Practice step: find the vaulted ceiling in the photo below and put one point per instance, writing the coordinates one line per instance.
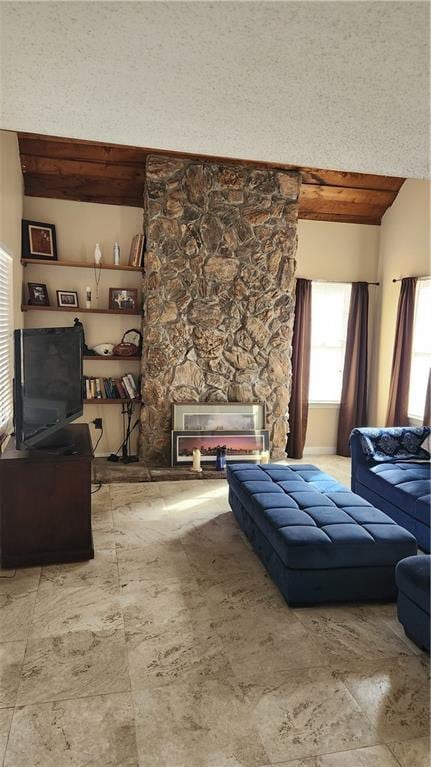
(319, 84)
(89, 171)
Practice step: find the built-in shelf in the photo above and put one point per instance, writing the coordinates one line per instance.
(102, 401)
(78, 310)
(81, 265)
(103, 357)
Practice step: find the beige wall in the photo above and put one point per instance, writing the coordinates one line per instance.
(339, 252)
(404, 252)
(325, 251)
(11, 197)
(78, 227)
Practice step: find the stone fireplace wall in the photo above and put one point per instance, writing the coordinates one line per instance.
(218, 292)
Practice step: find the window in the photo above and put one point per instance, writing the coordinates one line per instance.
(421, 353)
(5, 341)
(329, 314)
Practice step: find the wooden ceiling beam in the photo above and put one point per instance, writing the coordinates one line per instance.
(314, 195)
(48, 166)
(92, 171)
(115, 192)
(339, 218)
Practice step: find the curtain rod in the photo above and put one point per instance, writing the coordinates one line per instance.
(418, 277)
(337, 282)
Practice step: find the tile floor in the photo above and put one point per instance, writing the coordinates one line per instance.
(173, 648)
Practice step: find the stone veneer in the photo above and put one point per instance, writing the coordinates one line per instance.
(218, 292)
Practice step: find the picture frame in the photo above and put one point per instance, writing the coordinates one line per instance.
(67, 299)
(39, 240)
(37, 294)
(218, 416)
(123, 299)
(241, 446)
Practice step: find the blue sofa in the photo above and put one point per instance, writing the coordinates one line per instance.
(391, 469)
(412, 576)
(319, 541)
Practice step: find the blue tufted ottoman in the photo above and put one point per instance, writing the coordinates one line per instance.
(319, 541)
(413, 580)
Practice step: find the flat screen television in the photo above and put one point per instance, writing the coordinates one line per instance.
(48, 385)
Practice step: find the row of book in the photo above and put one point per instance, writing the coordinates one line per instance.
(136, 250)
(110, 388)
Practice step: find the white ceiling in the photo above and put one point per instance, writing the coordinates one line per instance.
(339, 85)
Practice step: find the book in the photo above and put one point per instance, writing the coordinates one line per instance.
(108, 388)
(121, 390)
(128, 388)
(132, 385)
(136, 250)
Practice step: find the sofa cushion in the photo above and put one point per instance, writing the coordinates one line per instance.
(319, 523)
(412, 577)
(406, 485)
(394, 444)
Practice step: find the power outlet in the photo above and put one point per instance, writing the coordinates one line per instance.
(98, 423)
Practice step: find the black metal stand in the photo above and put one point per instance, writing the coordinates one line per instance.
(125, 447)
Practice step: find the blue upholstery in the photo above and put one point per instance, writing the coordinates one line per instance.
(305, 521)
(413, 580)
(394, 443)
(401, 489)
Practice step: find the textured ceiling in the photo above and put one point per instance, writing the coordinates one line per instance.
(339, 85)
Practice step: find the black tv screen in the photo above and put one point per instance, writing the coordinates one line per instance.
(48, 382)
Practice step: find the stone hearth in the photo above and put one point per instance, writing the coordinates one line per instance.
(218, 292)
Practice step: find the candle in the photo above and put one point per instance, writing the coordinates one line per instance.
(264, 456)
(196, 460)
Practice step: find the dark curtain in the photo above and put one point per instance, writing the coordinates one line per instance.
(427, 411)
(402, 356)
(353, 406)
(301, 345)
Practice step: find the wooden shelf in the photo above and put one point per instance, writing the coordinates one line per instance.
(81, 265)
(78, 310)
(102, 401)
(103, 357)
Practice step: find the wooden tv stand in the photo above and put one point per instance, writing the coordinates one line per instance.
(45, 504)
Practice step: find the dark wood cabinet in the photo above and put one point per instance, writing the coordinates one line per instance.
(45, 504)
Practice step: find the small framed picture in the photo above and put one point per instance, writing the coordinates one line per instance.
(67, 299)
(124, 299)
(37, 294)
(39, 241)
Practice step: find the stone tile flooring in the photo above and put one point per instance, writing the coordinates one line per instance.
(173, 648)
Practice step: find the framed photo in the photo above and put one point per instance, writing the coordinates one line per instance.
(124, 299)
(39, 240)
(240, 446)
(68, 299)
(37, 294)
(218, 416)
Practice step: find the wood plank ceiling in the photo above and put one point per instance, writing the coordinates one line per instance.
(90, 171)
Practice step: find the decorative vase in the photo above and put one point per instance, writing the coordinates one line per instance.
(116, 254)
(97, 254)
(221, 458)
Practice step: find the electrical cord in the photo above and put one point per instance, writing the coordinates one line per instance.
(97, 488)
(97, 443)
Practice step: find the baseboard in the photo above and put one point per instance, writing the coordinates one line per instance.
(319, 450)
